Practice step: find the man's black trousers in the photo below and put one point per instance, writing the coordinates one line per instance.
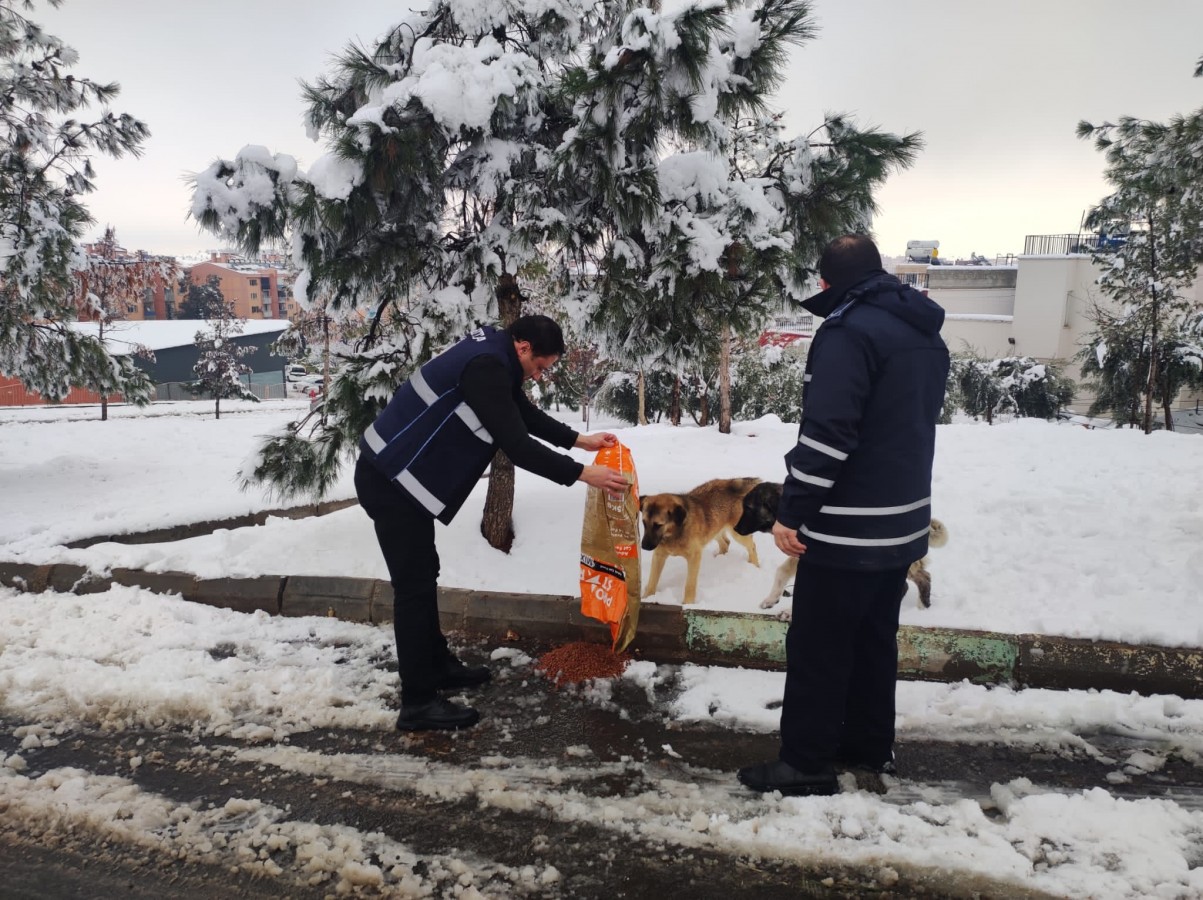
(842, 667)
(406, 535)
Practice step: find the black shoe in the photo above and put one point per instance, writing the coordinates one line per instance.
(456, 675)
(437, 715)
(781, 776)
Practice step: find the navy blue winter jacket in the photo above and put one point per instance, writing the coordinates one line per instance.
(435, 445)
(858, 488)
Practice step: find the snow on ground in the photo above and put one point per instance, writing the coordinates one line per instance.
(130, 659)
(1053, 528)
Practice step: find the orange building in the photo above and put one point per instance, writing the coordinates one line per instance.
(255, 291)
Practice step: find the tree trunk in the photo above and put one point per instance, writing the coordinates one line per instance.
(497, 523)
(104, 398)
(724, 380)
(217, 407)
(641, 390)
(325, 363)
(704, 409)
(1151, 384)
(674, 409)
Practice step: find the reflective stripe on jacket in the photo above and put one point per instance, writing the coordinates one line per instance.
(428, 439)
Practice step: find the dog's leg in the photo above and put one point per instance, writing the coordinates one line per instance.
(918, 573)
(724, 543)
(653, 579)
(750, 545)
(785, 572)
(694, 562)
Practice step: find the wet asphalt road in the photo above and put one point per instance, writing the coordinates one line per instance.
(622, 744)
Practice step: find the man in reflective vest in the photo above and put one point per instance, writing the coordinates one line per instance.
(421, 459)
(855, 511)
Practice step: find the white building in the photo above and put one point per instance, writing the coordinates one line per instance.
(1038, 307)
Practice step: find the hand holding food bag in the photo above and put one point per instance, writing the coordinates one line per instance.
(610, 576)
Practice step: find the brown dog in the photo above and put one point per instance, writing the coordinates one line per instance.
(760, 512)
(683, 524)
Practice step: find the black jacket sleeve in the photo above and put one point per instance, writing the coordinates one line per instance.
(486, 385)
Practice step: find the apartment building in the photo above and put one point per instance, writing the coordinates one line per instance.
(254, 290)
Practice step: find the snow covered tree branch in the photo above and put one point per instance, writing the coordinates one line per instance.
(45, 168)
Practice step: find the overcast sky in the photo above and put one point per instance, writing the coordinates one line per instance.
(997, 89)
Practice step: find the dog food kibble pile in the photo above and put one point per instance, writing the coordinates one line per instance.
(580, 661)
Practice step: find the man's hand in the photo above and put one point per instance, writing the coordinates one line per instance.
(786, 539)
(595, 441)
(609, 480)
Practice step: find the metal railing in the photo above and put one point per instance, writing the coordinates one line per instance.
(793, 323)
(914, 279)
(1065, 244)
(179, 390)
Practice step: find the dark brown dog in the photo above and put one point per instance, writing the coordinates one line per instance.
(683, 524)
(760, 512)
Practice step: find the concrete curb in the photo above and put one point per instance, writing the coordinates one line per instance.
(668, 633)
(196, 529)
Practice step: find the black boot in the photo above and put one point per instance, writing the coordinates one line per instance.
(437, 715)
(454, 675)
(781, 776)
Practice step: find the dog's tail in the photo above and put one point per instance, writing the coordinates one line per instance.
(939, 534)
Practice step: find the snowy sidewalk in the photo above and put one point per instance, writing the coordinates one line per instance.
(667, 633)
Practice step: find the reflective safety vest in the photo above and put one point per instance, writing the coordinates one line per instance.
(428, 440)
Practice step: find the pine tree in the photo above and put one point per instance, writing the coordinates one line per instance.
(1120, 354)
(219, 369)
(1156, 169)
(45, 169)
(697, 246)
(572, 138)
(431, 199)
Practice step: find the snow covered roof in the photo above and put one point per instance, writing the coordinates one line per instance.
(121, 336)
(242, 268)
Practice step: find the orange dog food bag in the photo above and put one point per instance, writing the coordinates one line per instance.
(610, 576)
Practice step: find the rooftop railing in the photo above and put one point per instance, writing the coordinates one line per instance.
(1065, 244)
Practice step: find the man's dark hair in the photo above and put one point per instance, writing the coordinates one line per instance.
(545, 336)
(848, 259)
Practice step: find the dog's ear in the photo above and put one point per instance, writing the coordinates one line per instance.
(642, 500)
(679, 513)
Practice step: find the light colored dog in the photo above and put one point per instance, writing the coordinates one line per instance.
(683, 524)
(759, 514)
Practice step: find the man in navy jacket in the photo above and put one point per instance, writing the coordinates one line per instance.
(855, 510)
(421, 459)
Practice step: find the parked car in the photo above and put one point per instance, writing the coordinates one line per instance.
(307, 384)
(295, 372)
